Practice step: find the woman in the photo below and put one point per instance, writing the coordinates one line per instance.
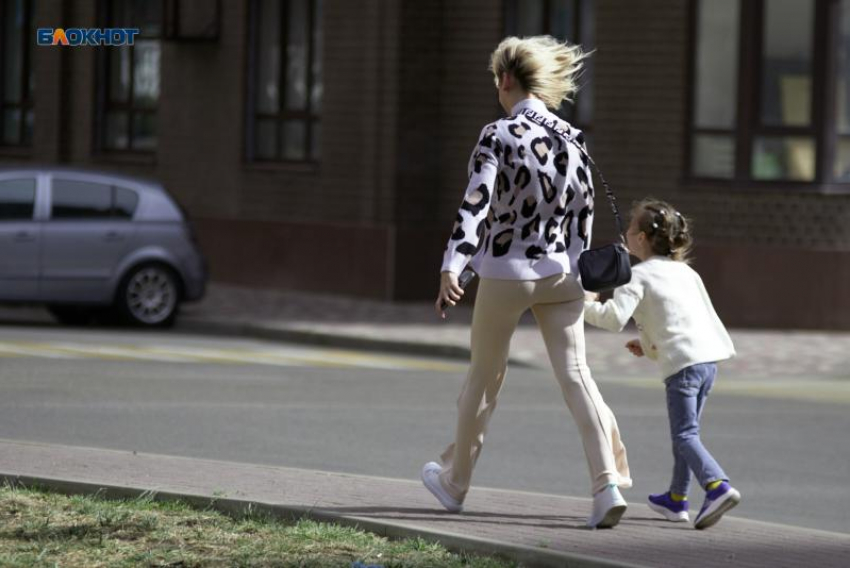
(525, 218)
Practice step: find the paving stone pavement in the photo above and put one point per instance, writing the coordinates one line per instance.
(762, 354)
(773, 354)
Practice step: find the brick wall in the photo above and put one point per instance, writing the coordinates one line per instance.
(334, 209)
(49, 92)
(331, 211)
(640, 125)
(407, 91)
(755, 250)
(447, 96)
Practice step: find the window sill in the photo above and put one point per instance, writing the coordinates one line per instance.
(125, 158)
(306, 168)
(713, 184)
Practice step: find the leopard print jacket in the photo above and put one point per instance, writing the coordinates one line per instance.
(528, 209)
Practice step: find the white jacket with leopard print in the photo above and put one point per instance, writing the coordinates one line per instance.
(528, 209)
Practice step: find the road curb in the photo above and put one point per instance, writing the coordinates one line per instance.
(309, 337)
(458, 543)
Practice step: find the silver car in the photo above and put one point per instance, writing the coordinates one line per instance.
(87, 243)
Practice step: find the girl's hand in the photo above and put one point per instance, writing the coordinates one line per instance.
(591, 296)
(635, 348)
(450, 293)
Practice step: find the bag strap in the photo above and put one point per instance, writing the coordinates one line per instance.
(547, 122)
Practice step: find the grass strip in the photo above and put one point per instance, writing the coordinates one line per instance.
(44, 529)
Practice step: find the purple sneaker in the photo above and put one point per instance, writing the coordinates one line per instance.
(717, 502)
(676, 511)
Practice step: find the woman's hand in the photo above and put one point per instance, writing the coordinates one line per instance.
(450, 293)
(635, 348)
(591, 296)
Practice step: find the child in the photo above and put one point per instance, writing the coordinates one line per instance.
(680, 329)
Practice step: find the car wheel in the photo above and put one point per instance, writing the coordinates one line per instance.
(71, 315)
(149, 296)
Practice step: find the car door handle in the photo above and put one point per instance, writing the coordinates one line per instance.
(112, 236)
(24, 236)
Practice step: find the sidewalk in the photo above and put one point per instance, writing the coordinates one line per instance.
(414, 328)
(537, 530)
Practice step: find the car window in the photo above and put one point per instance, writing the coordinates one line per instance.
(80, 200)
(17, 199)
(126, 201)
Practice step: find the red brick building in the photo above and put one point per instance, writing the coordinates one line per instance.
(322, 144)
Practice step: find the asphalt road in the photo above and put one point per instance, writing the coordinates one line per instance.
(385, 415)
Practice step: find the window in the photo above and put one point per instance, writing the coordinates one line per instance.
(16, 77)
(88, 200)
(17, 199)
(80, 200)
(285, 81)
(567, 20)
(762, 71)
(129, 86)
(125, 202)
(715, 91)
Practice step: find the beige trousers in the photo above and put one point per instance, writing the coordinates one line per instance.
(558, 306)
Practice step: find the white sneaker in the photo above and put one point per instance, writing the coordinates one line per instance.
(431, 480)
(608, 508)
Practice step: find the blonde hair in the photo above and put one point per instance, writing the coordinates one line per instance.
(543, 66)
(667, 229)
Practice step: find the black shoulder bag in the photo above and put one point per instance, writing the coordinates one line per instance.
(606, 267)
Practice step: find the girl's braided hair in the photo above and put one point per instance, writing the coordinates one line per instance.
(667, 229)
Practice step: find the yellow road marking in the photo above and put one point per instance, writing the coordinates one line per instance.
(188, 354)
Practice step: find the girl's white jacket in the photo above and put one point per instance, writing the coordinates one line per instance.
(674, 315)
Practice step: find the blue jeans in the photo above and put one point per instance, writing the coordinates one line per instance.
(687, 391)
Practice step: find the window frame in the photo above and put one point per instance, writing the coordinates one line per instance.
(511, 20)
(104, 78)
(26, 102)
(748, 98)
(311, 119)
